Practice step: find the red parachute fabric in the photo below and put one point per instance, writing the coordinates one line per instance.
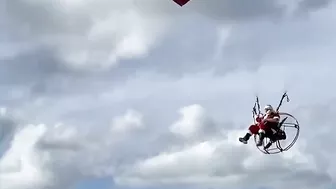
(181, 2)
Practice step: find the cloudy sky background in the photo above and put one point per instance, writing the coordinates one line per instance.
(139, 94)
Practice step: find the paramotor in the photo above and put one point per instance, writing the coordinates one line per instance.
(285, 137)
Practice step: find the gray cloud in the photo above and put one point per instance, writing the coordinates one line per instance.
(241, 10)
(8, 128)
(311, 5)
(81, 42)
(41, 72)
(250, 57)
(60, 149)
(29, 67)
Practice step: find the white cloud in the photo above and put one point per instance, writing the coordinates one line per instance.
(42, 156)
(22, 162)
(133, 149)
(224, 162)
(176, 132)
(87, 34)
(98, 35)
(126, 123)
(193, 122)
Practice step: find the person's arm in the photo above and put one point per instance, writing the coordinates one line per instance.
(274, 119)
(259, 118)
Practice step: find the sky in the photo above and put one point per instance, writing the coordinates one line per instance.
(145, 94)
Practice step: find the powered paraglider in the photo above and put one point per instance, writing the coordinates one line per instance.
(286, 135)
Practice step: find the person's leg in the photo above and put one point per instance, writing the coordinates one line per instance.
(262, 133)
(253, 129)
(272, 136)
(277, 132)
(271, 128)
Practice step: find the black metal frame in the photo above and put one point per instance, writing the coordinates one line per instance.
(282, 127)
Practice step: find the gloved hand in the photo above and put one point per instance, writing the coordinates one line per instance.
(259, 118)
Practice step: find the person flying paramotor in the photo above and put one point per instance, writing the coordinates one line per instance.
(272, 128)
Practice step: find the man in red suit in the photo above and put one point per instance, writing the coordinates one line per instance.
(267, 123)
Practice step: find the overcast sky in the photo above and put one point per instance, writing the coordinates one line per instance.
(139, 94)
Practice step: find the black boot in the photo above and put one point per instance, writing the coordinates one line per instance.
(261, 139)
(269, 144)
(245, 138)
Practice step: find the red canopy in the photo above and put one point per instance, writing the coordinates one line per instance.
(181, 2)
